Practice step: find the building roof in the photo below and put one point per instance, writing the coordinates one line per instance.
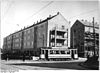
(48, 18)
(87, 23)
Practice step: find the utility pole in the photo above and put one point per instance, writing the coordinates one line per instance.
(94, 36)
(73, 39)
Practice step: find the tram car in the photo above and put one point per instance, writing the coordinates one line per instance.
(58, 54)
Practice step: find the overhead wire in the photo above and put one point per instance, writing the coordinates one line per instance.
(38, 11)
(7, 10)
(83, 13)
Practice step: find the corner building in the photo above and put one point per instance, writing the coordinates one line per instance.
(82, 37)
(51, 32)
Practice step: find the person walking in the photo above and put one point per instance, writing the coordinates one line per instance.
(23, 57)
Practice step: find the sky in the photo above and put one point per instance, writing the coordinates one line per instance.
(17, 14)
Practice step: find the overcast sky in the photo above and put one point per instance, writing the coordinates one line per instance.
(15, 14)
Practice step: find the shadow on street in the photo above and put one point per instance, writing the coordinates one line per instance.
(71, 65)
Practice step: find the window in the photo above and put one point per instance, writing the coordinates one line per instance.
(28, 37)
(68, 52)
(16, 45)
(17, 40)
(41, 26)
(42, 51)
(16, 35)
(57, 52)
(75, 51)
(54, 52)
(28, 43)
(32, 43)
(51, 51)
(28, 31)
(21, 34)
(62, 52)
(24, 44)
(25, 32)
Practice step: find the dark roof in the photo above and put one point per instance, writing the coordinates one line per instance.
(86, 23)
(48, 18)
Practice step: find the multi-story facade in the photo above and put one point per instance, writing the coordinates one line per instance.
(9, 42)
(17, 40)
(41, 34)
(82, 37)
(5, 43)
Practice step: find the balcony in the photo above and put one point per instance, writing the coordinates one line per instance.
(60, 29)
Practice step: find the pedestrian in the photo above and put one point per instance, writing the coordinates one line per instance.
(23, 57)
(7, 57)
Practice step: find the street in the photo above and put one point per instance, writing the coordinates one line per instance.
(42, 65)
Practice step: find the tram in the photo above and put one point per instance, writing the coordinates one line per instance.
(58, 54)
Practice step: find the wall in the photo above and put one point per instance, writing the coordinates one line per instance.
(40, 32)
(9, 42)
(28, 38)
(5, 43)
(17, 40)
(58, 21)
(77, 36)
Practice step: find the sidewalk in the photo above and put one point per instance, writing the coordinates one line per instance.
(32, 61)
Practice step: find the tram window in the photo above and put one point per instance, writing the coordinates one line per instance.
(68, 52)
(62, 52)
(75, 51)
(57, 52)
(51, 51)
(54, 52)
(42, 51)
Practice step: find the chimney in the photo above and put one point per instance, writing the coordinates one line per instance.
(49, 16)
(85, 20)
(40, 20)
(69, 22)
(82, 20)
(33, 23)
(57, 13)
(37, 21)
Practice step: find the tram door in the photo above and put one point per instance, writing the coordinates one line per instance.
(72, 55)
(46, 54)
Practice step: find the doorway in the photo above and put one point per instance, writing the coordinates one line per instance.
(46, 54)
(72, 55)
